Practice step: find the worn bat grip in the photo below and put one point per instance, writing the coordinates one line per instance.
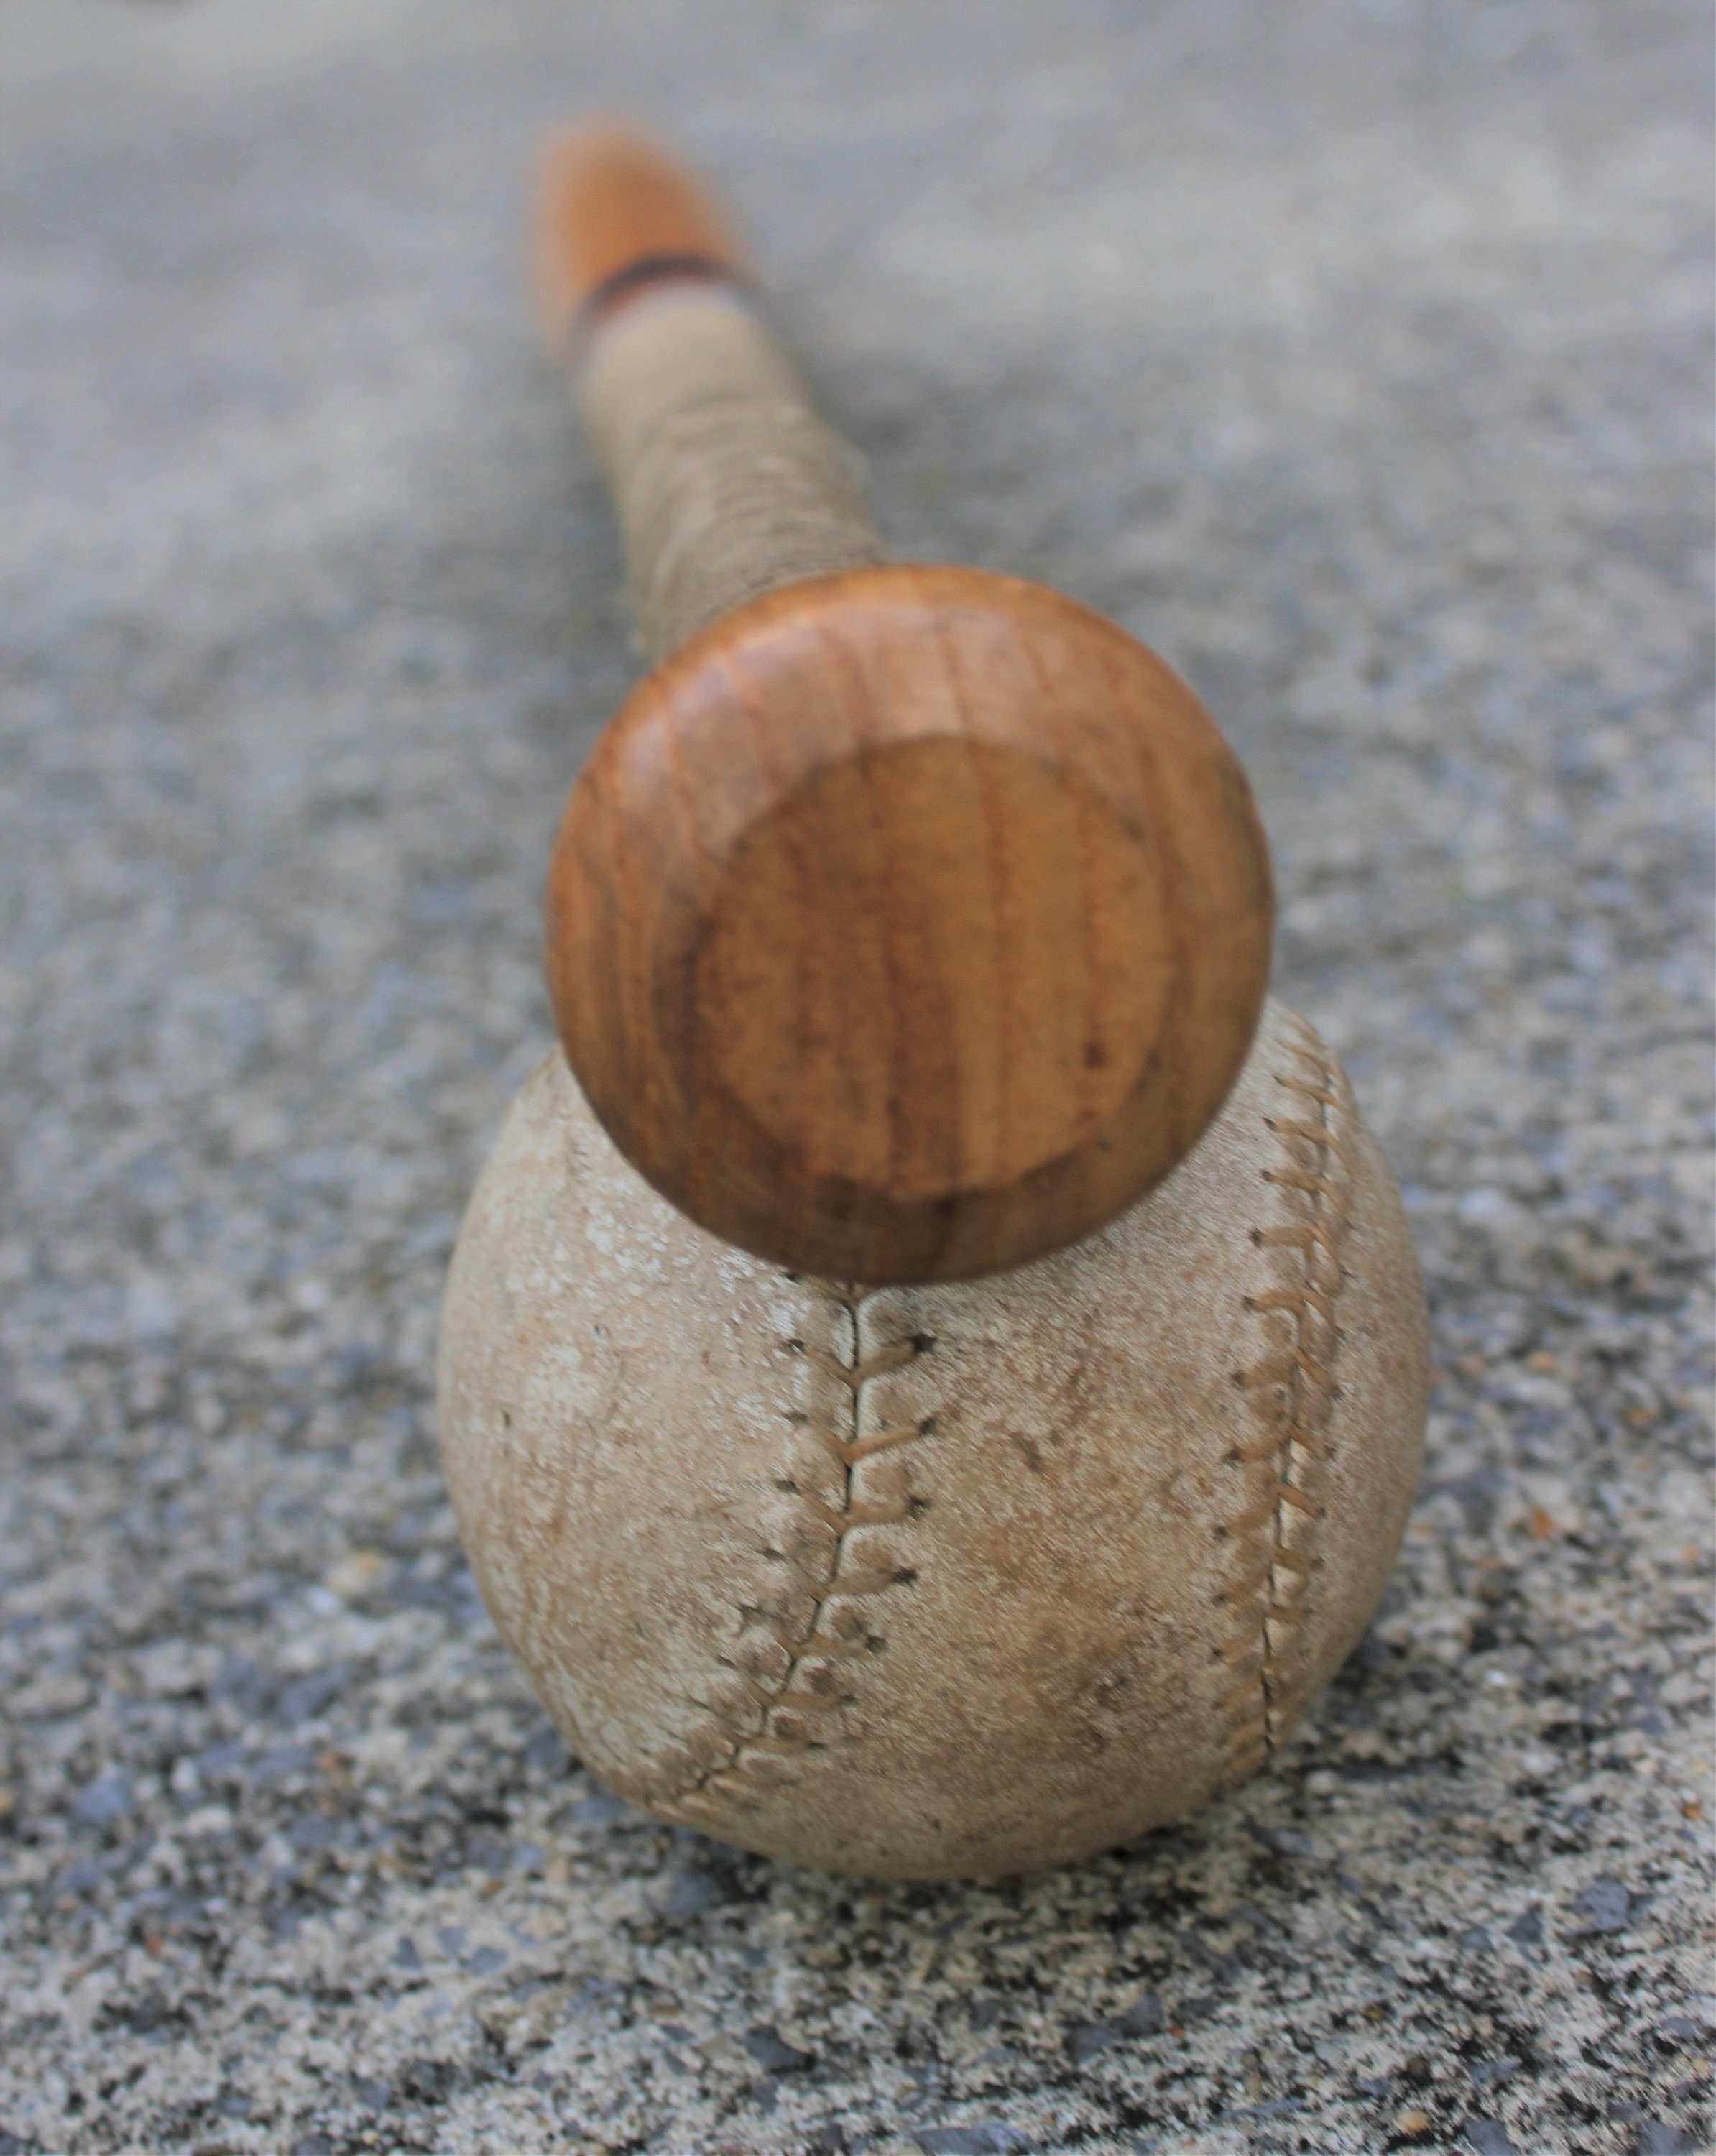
(727, 483)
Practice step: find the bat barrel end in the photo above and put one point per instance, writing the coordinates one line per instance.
(908, 924)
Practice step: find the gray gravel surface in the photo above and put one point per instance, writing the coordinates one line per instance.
(1354, 353)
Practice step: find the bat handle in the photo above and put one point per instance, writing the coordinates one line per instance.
(727, 483)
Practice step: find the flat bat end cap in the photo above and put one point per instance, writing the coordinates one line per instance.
(908, 924)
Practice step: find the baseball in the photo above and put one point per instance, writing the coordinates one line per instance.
(948, 1581)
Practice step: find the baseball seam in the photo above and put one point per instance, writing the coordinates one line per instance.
(1291, 1391)
(785, 1683)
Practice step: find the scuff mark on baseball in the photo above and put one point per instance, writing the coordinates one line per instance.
(951, 1581)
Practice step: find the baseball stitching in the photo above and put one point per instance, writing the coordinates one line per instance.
(788, 1676)
(812, 1616)
(1291, 1391)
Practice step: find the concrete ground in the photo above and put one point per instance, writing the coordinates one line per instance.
(1354, 353)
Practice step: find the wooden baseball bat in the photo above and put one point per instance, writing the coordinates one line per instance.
(908, 922)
